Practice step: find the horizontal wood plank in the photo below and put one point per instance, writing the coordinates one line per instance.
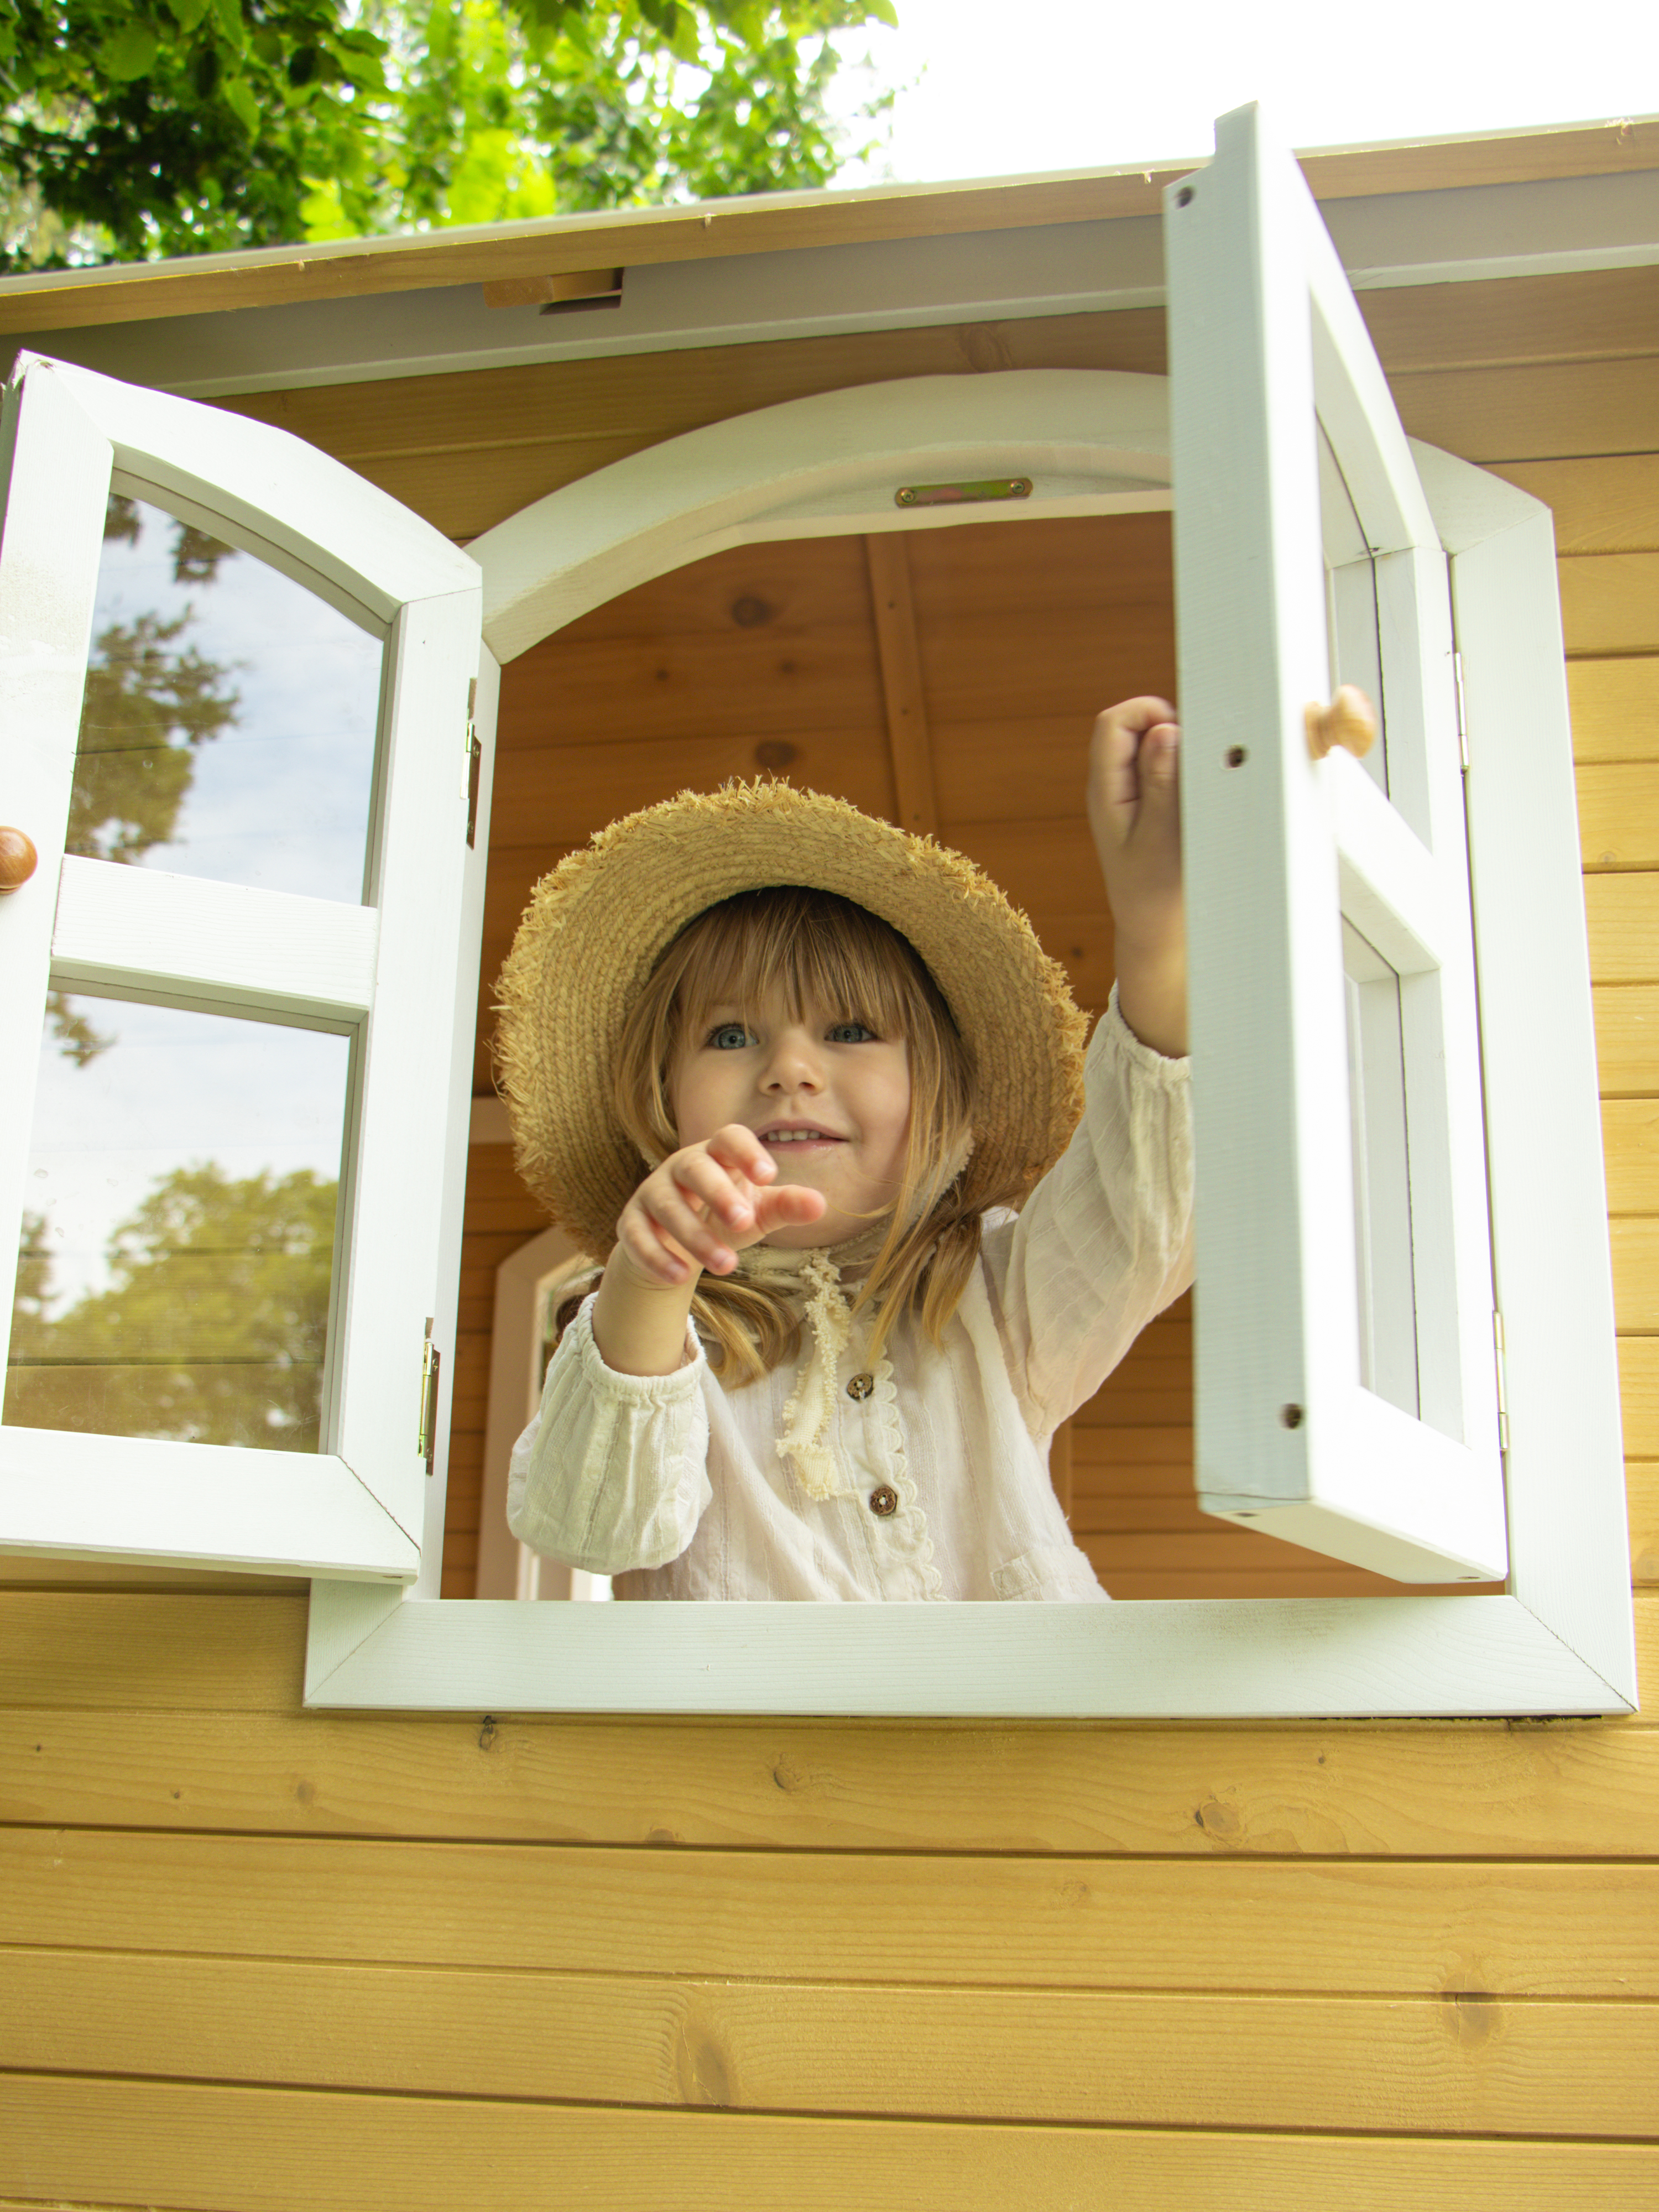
(1638, 1395)
(1472, 1789)
(1601, 504)
(236, 2149)
(570, 792)
(1642, 1490)
(1610, 601)
(1618, 814)
(1223, 1922)
(1622, 914)
(1533, 413)
(1460, 2063)
(1587, 314)
(1634, 1242)
(1630, 1147)
(1627, 1038)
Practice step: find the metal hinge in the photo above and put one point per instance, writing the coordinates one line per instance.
(1502, 1383)
(474, 758)
(426, 1442)
(1463, 712)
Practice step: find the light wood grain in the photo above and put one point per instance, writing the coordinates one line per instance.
(1457, 2063)
(697, 684)
(1618, 814)
(909, 745)
(1642, 1486)
(1221, 1921)
(1010, 567)
(1601, 504)
(1634, 1242)
(1622, 913)
(269, 2150)
(1615, 708)
(1627, 1038)
(1610, 601)
(1582, 315)
(1525, 414)
(1639, 1379)
(1477, 1789)
(1630, 1138)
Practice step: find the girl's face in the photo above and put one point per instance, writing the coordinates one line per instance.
(829, 1100)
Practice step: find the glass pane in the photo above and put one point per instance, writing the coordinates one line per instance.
(1351, 617)
(177, 1248)
(230, 715)
(1381, 1187)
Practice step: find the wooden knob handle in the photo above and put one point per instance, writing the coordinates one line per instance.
(17, 858)
(1349, 721)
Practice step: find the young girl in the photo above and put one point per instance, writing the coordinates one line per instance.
(788, 1073)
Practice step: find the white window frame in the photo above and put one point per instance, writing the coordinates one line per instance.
(374, 972)
(1560, 1641)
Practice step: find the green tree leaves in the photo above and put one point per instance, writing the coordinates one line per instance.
(215, 1326)
(130, 129)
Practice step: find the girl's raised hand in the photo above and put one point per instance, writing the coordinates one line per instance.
(1134, 812)
(705, 1204)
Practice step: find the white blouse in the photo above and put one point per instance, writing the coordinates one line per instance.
(675, 1487)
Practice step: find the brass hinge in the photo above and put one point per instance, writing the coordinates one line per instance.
(474, 758)
(1463, 712)
(426, 1442)
(1502, 1383)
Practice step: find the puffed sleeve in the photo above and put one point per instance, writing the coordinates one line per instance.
(1104, 1242)
(613, 1472)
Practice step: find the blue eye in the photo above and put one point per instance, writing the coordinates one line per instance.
(851, 1033)
(730, 1036)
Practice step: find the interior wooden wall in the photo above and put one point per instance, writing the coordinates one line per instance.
(255, 1958)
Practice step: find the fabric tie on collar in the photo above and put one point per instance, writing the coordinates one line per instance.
(814, 1275)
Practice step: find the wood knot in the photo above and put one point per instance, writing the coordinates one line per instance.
(1220, 1821)
(775, 752)
(487, 1732)
(701, 2067)
(750, 612)
(1472, 2017)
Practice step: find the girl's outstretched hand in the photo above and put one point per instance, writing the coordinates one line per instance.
(705, 1205)
(1134, 812)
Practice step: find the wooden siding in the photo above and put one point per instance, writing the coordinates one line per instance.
(256, 1958)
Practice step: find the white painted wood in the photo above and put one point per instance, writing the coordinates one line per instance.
(514, 1389)
(56, 468)
(393, 973)
(150, 1503)
(1384, 1656)
(452, 1078)
(1269, 348)
(410, 1097)
(263, 481)
(257, 949)
(1566, 1469)
(1092, 440)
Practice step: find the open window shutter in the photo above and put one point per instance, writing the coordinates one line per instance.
(1347, 1381)
(384, 973)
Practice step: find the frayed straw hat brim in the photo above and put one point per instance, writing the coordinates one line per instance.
(597, 925)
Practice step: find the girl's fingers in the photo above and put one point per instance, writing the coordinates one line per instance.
(673, 1215)
(647, 1251)
(793, 1204)
(726, 1194)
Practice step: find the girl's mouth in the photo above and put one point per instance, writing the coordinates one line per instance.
(792, 1137)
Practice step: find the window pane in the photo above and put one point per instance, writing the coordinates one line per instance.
(1351, 624)
(230, 714)
(177, 1249)
(1381, 1188)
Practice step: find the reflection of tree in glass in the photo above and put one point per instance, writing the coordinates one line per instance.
(213, 1329)
(149, 704)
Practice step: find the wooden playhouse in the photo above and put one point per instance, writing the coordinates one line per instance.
(704, 1922)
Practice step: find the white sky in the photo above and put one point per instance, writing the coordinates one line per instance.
(1000, 89)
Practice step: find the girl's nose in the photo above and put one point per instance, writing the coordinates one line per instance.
(793, 1064)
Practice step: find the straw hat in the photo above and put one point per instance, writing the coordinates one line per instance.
(597, 925)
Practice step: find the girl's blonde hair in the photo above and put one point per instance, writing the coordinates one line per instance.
(815, 947)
